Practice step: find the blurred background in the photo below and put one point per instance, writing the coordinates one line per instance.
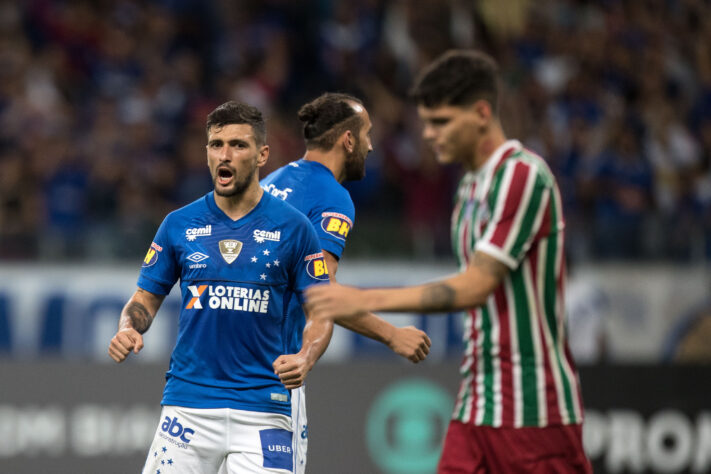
(102, 112)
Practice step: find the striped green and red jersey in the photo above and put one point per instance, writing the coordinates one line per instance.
(517, 369)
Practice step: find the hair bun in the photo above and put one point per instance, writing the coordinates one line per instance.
(308, 113)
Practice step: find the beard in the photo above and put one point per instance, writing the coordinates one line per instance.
(238, 187)
(355, 164)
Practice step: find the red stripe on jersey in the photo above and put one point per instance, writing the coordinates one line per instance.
(507, 395)
(511, 204)
(473, 368)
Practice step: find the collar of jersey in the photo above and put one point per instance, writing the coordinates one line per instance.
(224, 218)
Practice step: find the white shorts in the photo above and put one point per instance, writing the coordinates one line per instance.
(300, 427)
(221, 440)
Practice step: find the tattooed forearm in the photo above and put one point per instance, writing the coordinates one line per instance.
(139, 316)
(438, 297)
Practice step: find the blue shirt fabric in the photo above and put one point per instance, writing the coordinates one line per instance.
(237, 279)
(312, 189)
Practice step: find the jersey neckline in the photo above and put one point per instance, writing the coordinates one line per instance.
(224, 218)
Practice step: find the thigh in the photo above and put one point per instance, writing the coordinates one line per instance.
(300, 428)
(187, 441)
(259, 443)
(549, 450)
(461, 453)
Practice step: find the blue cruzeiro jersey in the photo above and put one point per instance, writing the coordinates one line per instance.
(237, 280)
(312, 189)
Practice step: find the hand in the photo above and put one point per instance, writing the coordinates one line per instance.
(123, 342)
(334, 301)
(292, 369)
(411, 343)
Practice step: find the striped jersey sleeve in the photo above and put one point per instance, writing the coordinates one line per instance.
(520, 194)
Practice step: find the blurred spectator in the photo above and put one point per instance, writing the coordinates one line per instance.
(101, 105)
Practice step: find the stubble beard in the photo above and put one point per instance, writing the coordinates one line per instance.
(239, 186)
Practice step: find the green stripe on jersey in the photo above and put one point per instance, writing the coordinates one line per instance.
(526, 349)
(549, 304)
(488, 364)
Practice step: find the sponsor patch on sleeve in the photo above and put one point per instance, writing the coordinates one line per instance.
(276, 449)
(152, 255)
(316, 266)
(335, 224)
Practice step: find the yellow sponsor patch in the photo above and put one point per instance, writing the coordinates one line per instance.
(335, 224)
(316, 266)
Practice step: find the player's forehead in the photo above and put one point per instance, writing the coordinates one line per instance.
(439, 111)
(232, 131)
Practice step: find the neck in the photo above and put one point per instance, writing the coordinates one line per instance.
(330, 159)
(486, 147)
(239, 205)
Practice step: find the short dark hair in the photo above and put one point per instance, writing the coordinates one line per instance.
(327, 117)
(458, 77)
(233, 112)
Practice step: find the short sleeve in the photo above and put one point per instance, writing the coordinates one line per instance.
(159, 270)
(333, 223)
(308, 265)
(519, 200)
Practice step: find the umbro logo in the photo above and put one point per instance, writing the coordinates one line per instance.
(197, 257)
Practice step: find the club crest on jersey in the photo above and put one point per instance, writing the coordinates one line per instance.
(261, 235)
(152, 255)
(230, 249)
(194, 232)
(316, 266)
(335, 224)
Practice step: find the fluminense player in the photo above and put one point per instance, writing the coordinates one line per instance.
(519, 407)
(336, 130)
(242, 257)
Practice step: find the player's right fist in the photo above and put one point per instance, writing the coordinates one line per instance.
(123, 342)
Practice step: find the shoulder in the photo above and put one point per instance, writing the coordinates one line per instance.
(283, 213)
(524, 168)
(196, 208)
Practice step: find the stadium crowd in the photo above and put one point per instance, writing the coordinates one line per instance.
(102, 107)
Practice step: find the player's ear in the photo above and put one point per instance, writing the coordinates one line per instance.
(348, 141)
(482, 109)
(263, 156)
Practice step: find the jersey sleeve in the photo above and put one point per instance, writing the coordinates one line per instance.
(159, 270)
(519, 201)
(308, 264)
(333, 221)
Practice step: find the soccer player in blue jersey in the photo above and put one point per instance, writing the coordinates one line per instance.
(242, 257)
(336, 130)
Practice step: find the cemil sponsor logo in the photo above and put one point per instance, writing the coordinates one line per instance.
(194, 232)
(229, 297)
(336, 224)
(261, 235)
(316, 266)
(176, 430)
(276, 192)
(152, 256)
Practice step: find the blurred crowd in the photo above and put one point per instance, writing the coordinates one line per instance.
(103, 105)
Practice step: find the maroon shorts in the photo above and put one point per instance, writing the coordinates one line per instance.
(470, 449)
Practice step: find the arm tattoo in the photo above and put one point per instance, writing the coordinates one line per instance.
(139, 316)
(438, 297)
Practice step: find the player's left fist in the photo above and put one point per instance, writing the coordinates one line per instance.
(291, 369)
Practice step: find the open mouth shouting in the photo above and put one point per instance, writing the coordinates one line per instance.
(224, 175)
